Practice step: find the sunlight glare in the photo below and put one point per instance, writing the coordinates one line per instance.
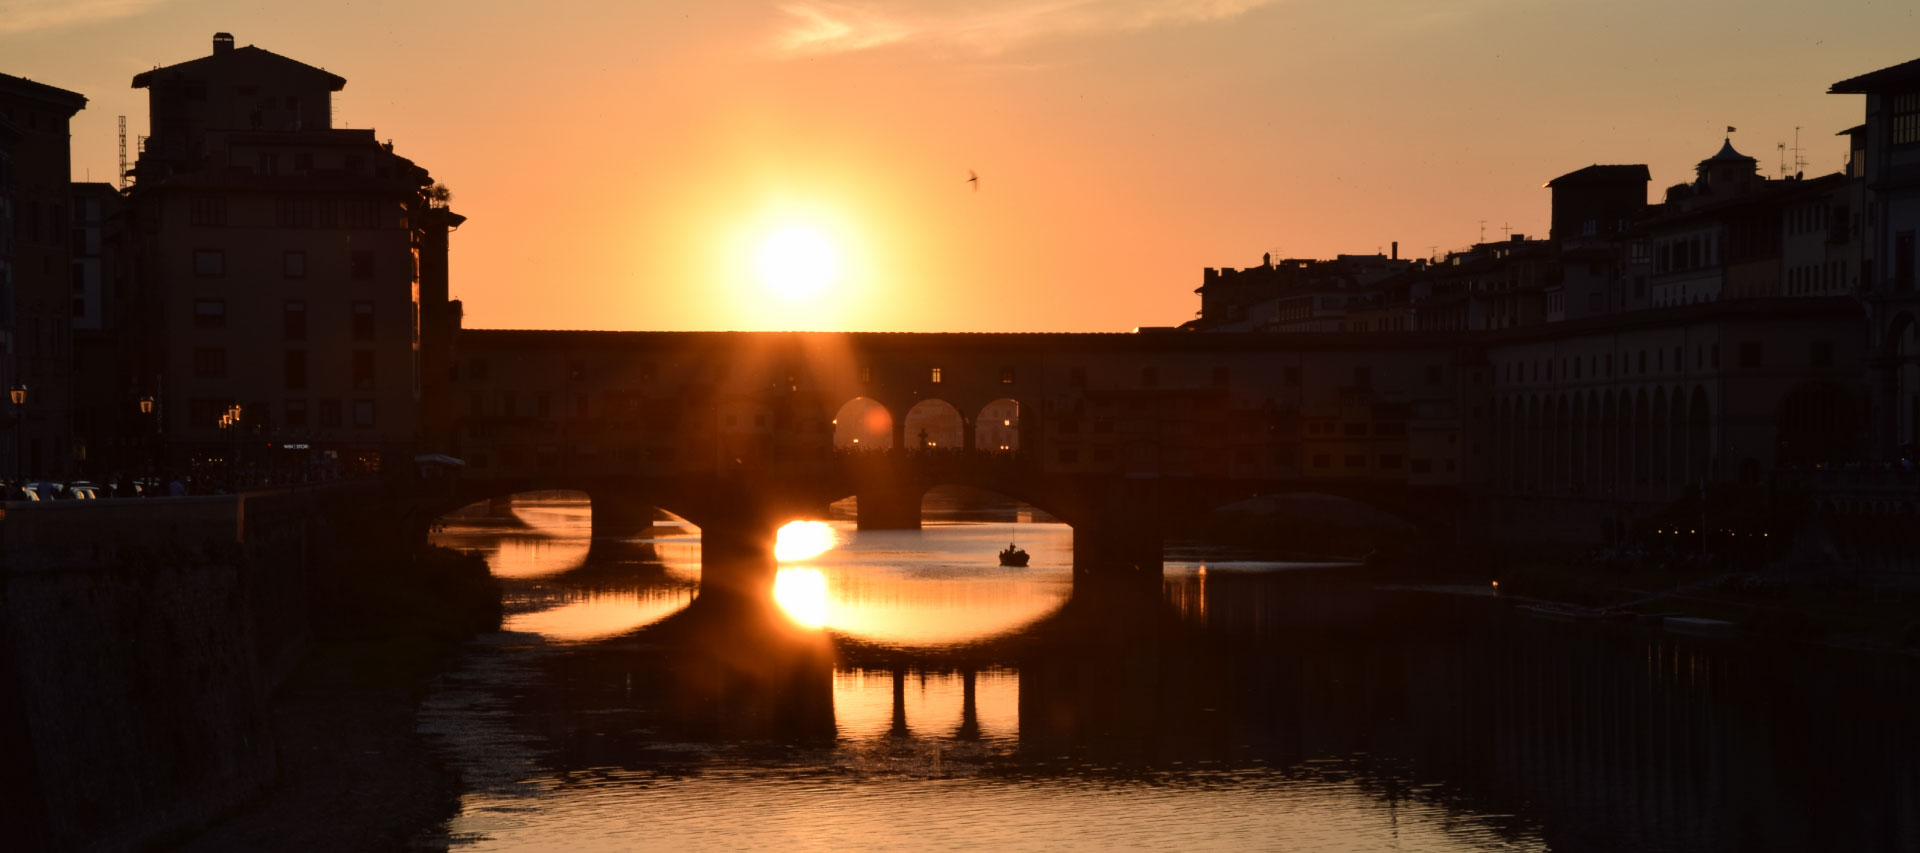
(800, 540)
(797, 261)
(802, 593)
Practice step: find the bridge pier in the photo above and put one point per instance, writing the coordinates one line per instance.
(620, 516)
(736, 556)
(1124, 538)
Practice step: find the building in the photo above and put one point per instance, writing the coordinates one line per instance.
(286, 270)
(36, 305)
(1886, 164)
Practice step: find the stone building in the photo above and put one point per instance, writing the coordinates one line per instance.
(36, 304)
(288, 269)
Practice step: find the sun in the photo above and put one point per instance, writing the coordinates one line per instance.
(797, 261)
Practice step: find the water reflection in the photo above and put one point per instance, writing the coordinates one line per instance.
(802, 593)
(950, 702)
(592, 614)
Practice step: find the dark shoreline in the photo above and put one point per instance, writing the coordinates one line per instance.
(354, 773)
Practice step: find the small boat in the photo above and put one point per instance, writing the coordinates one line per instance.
(1013, 556)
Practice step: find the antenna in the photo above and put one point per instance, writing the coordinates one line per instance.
(1483, 231)
(123, 152)
(1799, 161)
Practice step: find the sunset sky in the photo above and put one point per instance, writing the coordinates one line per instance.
(626, 165)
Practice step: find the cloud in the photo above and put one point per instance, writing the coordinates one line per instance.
(987, 26)
(26, 16)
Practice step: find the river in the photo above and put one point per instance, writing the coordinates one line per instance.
(901, 691)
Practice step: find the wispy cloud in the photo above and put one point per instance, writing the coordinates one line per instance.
(26, 16)
(815, 27)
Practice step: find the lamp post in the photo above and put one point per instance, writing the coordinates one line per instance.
(146, 440)
(230, 421)
(18, 394)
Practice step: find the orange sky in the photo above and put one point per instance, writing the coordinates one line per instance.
(621, 162)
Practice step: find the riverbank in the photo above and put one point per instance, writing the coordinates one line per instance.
(1706, 601)
(354, 773)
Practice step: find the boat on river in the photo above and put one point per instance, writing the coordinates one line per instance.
(1013, 556)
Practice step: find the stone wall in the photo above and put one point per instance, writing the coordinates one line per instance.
(139, 644)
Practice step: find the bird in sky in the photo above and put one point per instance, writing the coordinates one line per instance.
(974, 180)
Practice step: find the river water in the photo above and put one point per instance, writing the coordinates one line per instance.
(900, 691)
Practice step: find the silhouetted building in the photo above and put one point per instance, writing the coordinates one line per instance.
(36, 277)
(1886, 155)
(112, 434)
(287, 268)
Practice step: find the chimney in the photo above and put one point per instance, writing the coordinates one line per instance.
(222, 43)
(1396, 250)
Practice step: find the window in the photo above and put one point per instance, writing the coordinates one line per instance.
(1820, 355)
(363, 265)
(1221, 377)
(476, 404)
(1069, 455)
(510, 406)
(1906, 118)
(207, 210)
(209, 313)
(1356, 460)
(296, 413)
(330, 412)
(1321, 460)
(1149, 376)
(209, 263)
(1006, 376)
(293, 320)
(210, 363)
(1363, 377)
(293, 213)
(1752, 356)
(293, 264)
(579, 405)
(363, 413)
(1290, 376)
(1076, 377)
(1903, 260)
(866, 375)
(363, 370)
(1433, 374)
(361, 213)
(296, 369)
(363, 320)
(934, 376)
(543, 404)
(576, 369)
(1390, 461)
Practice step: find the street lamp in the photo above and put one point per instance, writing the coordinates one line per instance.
(230, 421)
(18, 394)
(146, 442)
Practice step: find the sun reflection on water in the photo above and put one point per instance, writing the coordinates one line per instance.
(802, 593)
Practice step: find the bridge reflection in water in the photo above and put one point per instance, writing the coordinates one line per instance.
(1248, 705)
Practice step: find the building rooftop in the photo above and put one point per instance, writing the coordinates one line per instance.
(229, 56)
(1726, 154)
(1900, 76)
(1597, 174)
(73, 102)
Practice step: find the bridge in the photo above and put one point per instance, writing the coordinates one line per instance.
(1118, 435)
